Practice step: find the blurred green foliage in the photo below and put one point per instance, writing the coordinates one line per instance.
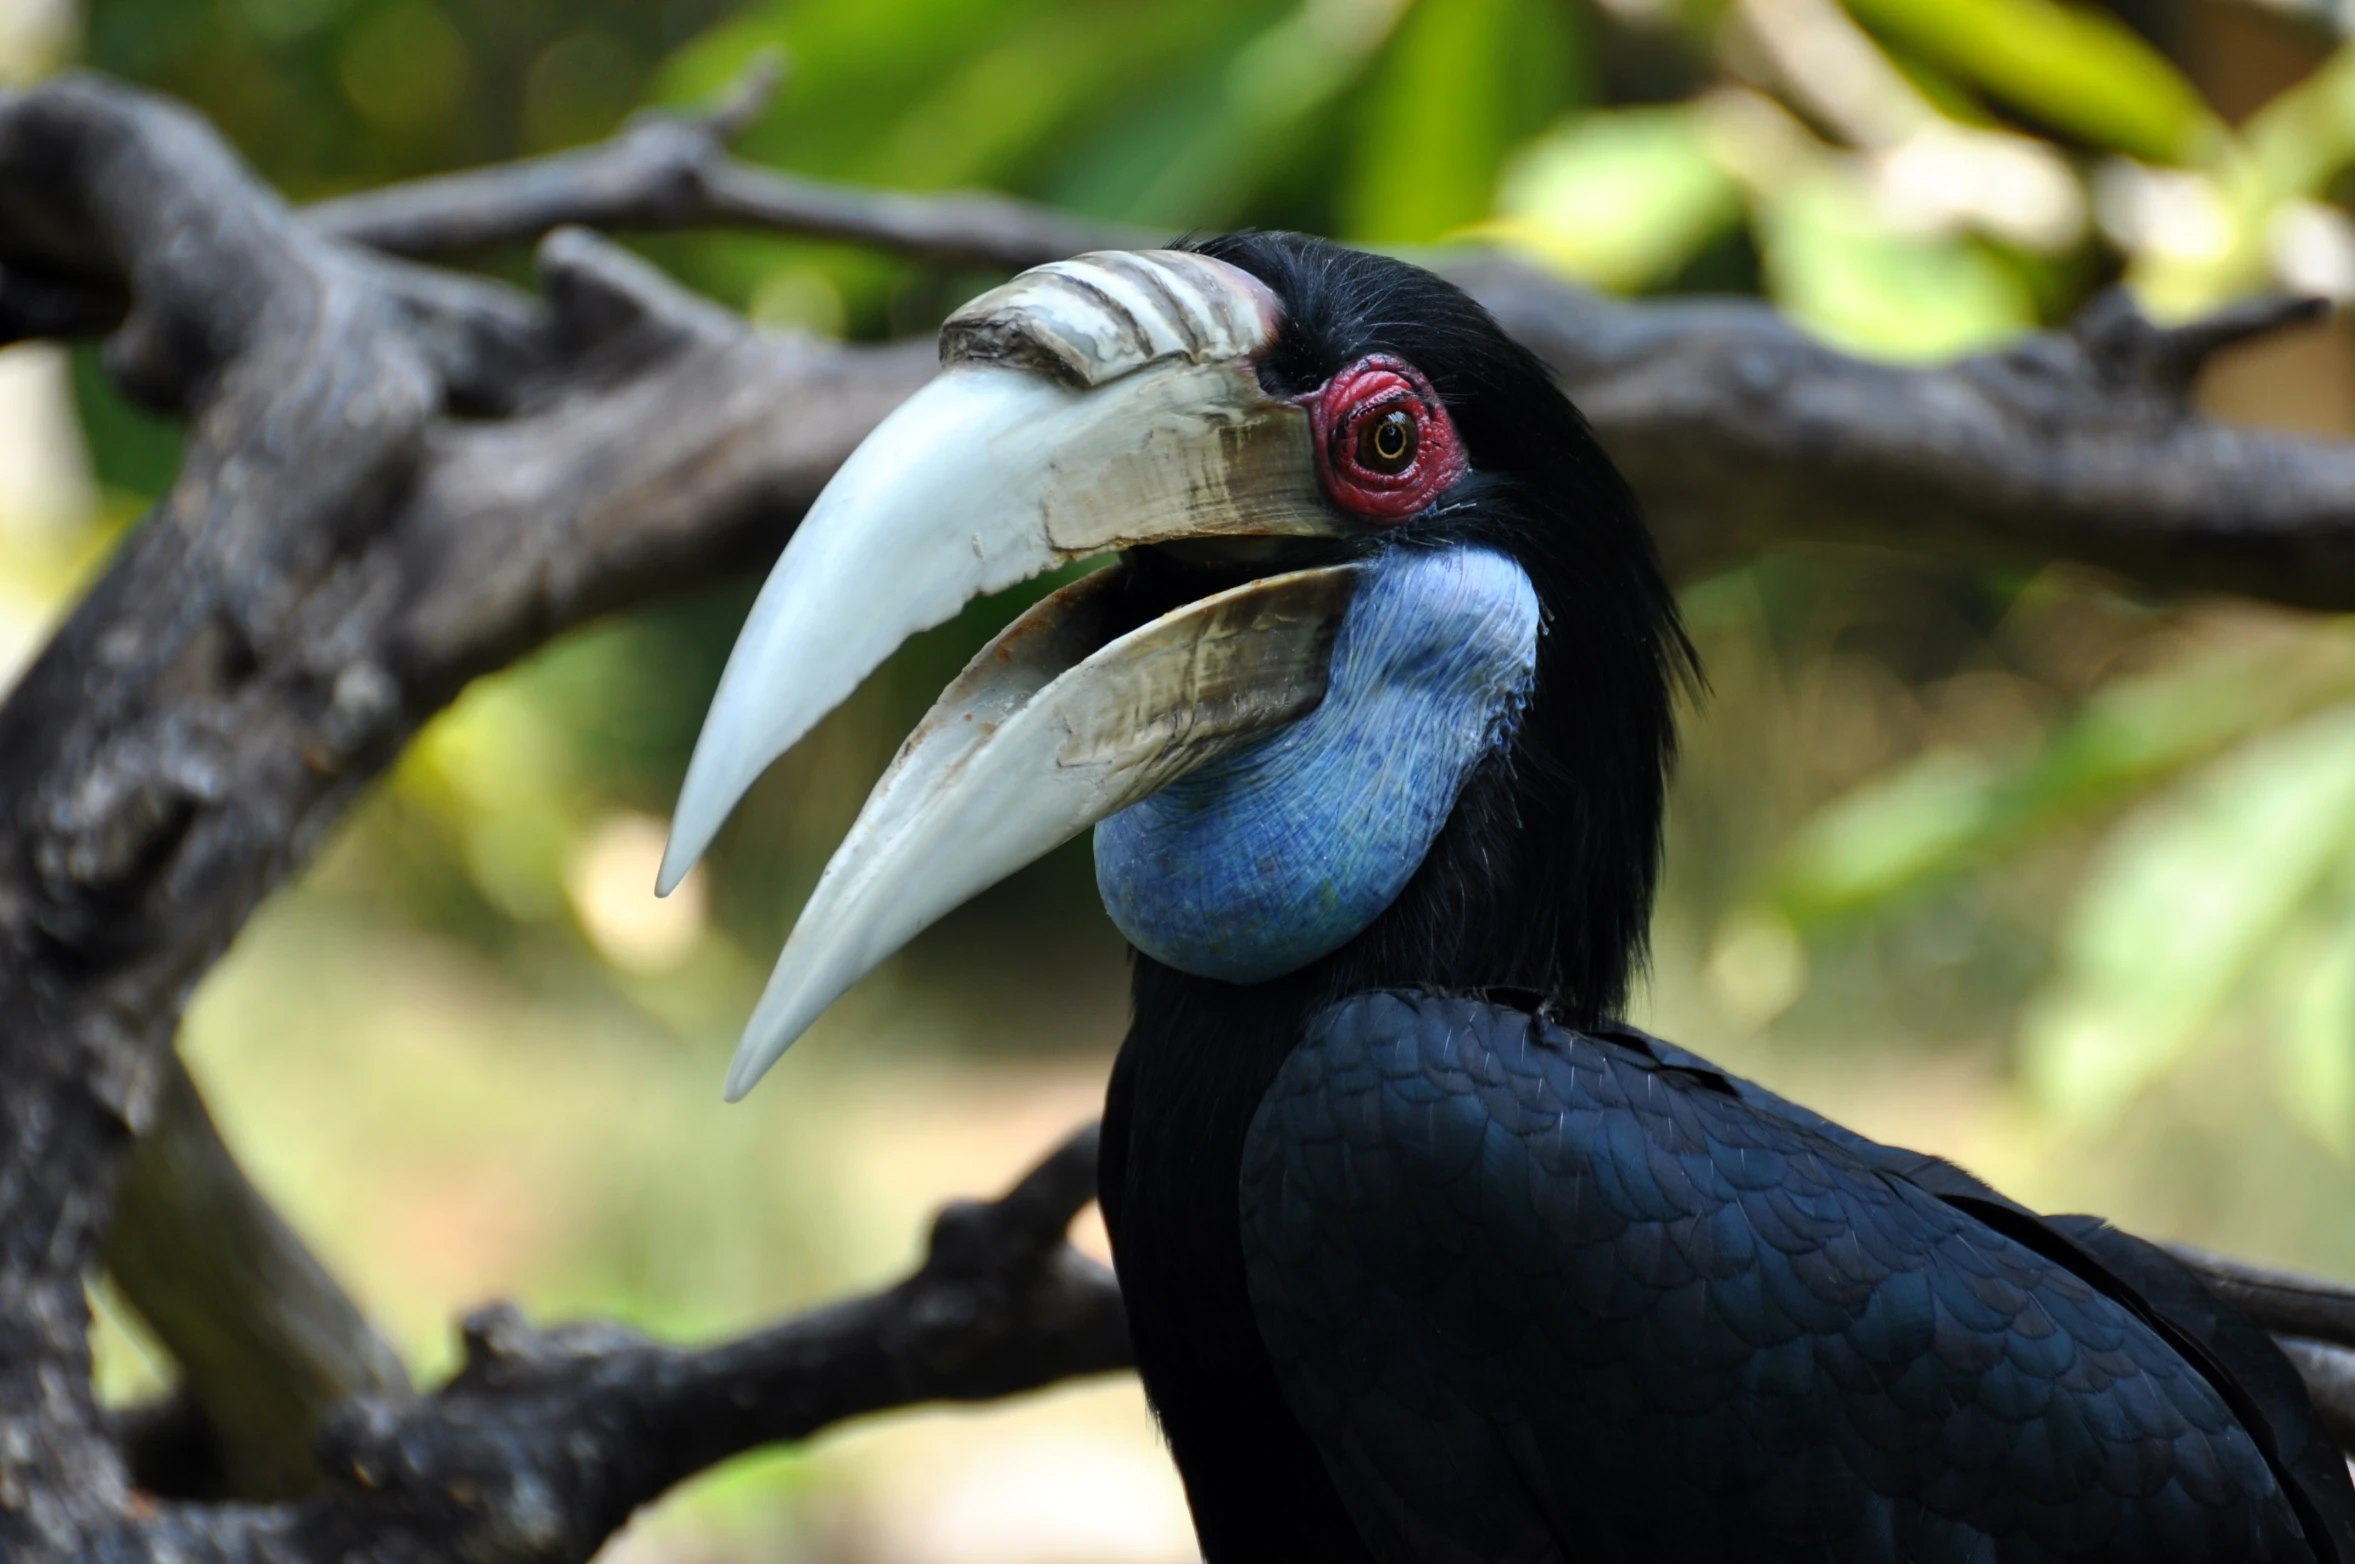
(2048, 878)
(2071, 67)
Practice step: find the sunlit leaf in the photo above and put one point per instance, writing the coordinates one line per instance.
(857, 66)
(2314, 1034)
(1055, 79)
(2237, 221)
(2185, 897)
(2070, 66)
(1936, 814)
(1267, 98)
(1620, 199)
(2303, 138)
(1114, 169)
(1888, 835)
(1836, 265)
(1461, 82)
(1068, 102)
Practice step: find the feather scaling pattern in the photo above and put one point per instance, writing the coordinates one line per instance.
(1548, 1295)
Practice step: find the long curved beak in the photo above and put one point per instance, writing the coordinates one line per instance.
(1049, 729)
(1100, 404)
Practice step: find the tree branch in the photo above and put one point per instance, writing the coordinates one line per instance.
(267, 1343)
(335, 561)
(2284, 1302)
(1740, 432)
(672, 171)
(545, 1441)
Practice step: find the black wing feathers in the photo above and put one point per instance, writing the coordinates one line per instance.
(1540, 1295)
(2236, 1356)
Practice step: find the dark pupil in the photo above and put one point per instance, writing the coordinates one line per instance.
(1387, 443)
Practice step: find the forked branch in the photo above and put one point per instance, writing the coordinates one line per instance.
(545, 1441)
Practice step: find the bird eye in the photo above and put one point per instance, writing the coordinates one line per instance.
(1385, 445)
(1386, 442)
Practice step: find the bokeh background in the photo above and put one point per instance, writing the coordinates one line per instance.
(2026, 869)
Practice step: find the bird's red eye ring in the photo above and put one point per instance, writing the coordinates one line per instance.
(1385, 445)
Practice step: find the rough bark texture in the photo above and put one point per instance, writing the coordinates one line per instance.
(397, 479)
(1740, 432)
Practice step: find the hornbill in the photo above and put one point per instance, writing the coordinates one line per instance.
(1428, 1256)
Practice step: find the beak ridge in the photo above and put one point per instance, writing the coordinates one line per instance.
(1084, 407)
(1103, 403)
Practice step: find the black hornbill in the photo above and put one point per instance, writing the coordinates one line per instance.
(1426, 1255)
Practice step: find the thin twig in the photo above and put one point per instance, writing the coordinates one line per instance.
(2286, 1303)
(669, 171)
(2329, 1375)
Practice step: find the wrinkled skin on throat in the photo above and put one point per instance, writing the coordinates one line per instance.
(1261, 863)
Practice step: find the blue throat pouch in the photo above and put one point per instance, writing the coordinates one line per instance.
(1260, 863)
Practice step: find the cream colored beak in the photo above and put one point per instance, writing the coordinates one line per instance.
(1088, 407)
(1048, 730)
(1084, 408)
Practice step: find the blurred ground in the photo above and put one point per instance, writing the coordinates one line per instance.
(2021, 869)
(446, 1135)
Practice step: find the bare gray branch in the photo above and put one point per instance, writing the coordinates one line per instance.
(545, 1441)
(1743, 434)
(667, 172)
(336, 560)
(1740, 432)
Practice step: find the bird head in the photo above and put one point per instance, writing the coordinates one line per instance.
(1384, 670)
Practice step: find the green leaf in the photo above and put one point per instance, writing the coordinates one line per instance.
(1888, 835)
(2301, 140)
(2186, 899)
(1621, 199)
(1170, 146)
(856, 64)
(1836, 267)
(1858, 855)
(2314, 1035)
(2072, 67)
(2294, 148)
(1461, 82)
(1268, 99)
(927, 94)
